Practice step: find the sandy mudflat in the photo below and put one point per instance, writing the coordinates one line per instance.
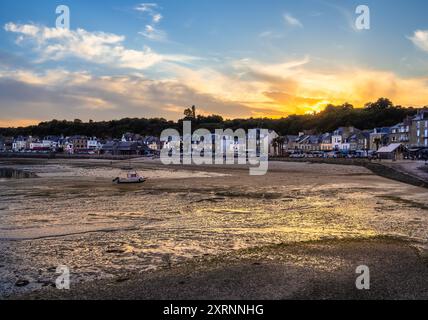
(210, 232)
(315, 270)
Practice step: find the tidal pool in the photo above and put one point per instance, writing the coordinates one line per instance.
(11, 173)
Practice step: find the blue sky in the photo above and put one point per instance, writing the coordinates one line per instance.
(239, 58)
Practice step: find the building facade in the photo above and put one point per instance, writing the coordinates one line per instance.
(79, 143)
(379, 138)
(419, 129)
(400, 133)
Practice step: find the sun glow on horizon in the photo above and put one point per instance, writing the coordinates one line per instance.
(290, 63)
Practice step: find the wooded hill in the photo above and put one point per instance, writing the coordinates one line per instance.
(381, 113)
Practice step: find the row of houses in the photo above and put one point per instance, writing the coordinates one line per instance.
(130, 144)
(410, 134)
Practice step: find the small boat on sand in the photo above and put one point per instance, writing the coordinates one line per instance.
(132, 177)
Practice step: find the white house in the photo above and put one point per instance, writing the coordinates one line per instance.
(19, 144)
(93, 144)
(336, 141)
(40, 145)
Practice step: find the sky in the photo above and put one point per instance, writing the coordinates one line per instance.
(236, 58)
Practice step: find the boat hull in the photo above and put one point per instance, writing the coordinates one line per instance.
(128, 181)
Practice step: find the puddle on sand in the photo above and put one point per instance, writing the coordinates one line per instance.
(11, 173)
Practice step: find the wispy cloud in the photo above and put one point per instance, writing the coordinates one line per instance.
(270, 35)
(151, 9)
(292, 21)
(153, 34)
(157, 18)
(347, 14)
(420, 39)
(146, 7)
(96, 47)
(151, 31)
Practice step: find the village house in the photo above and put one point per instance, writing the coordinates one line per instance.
(78, 142)
(38, 145)
(299, 140)
(21, 144)
(51, 142)
(153, 143)
(400, 133)
(58, 144)
(290, 144)
(93, 144)
(308, 143)
(340, 138)
(358, 141)
(131, 137)
(419, 129)
(379, 138)
(326, 142)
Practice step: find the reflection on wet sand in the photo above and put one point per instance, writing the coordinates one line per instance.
(72, 215)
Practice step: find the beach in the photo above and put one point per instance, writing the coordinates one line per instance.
(298, 232)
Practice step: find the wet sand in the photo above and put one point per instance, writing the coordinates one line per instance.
(310, 226)
(315, 270)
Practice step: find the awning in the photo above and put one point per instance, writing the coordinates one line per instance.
(391, 148)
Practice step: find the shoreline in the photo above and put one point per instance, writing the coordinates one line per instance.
(377, 168)
(311, 270)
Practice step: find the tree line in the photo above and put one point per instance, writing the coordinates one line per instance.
(381, 113)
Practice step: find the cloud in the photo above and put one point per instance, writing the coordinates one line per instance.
(152, 10)
(151, 31)
(292, 21)
(270, 35)
(96, 47)
(234, 88)
(297, 87)
(157, 18)
(243, 88)
(420, 39)
(154, 34)
(146, 7)
(62, 94)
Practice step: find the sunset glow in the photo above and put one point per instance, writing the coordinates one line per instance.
(154, 61)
